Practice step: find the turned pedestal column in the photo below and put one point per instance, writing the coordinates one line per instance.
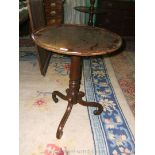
(73, 96)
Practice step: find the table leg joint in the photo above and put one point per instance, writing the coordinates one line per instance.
(92, 104)
(57, 93)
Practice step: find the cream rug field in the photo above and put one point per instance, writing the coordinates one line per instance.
(111, 133)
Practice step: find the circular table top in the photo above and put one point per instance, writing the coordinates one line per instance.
(86, 9)
(77, 40)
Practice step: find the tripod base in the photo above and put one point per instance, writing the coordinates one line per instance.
(69, 108)
(73, 95)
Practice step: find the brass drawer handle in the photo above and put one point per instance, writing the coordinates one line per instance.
(53, 12)
(53, 4)
(53, 21)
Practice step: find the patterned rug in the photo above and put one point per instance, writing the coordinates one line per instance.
(124, 68)
(111, 133)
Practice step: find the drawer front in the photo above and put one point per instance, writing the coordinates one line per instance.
(55, 20)
(53, 11)
(55, 5)
(49, 4)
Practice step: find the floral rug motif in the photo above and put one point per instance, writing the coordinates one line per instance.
(111, 133)
(111, 123)
(124, 67)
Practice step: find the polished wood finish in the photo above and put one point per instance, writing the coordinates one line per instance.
(54, 12)
(91, 14)
(37, 20)
(73, 96)
(77, 41)
(42, 13)
(36, 14)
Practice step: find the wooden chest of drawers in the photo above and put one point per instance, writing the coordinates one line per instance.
(118, 16)
(53, 11)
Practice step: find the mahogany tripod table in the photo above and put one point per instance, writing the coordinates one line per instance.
(77, 41)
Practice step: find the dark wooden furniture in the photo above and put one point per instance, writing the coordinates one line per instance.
(54, 11)
(91, 10)
(118, 16)
(76, 41)
(42, 13)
